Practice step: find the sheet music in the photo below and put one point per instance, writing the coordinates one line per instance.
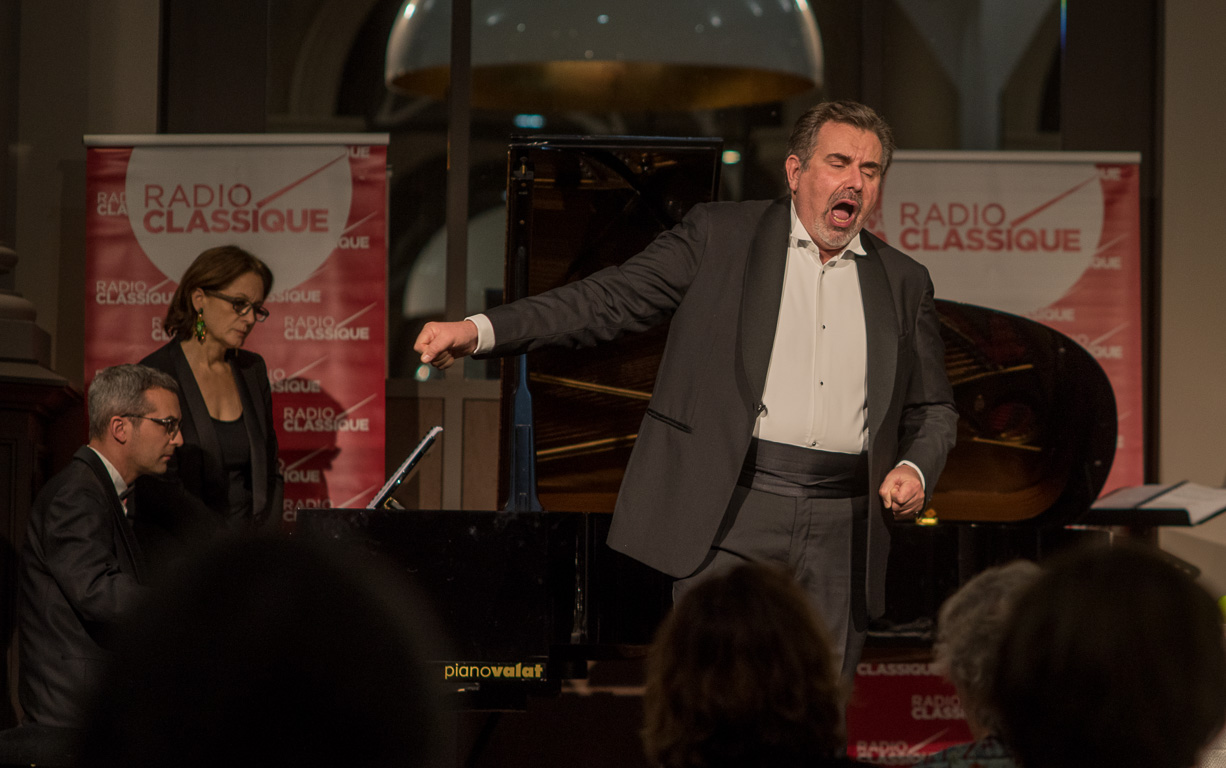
(1200, 501)
(1133, 496)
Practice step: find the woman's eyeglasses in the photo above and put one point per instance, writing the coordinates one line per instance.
(241, 306)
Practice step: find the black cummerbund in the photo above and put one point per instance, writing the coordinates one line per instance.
(789, 470)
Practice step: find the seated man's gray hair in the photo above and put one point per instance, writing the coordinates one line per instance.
(120, 391)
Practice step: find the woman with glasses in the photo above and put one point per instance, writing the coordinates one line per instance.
(226, 472)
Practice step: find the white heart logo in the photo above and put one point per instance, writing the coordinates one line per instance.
(287, 205)
(1015, 238)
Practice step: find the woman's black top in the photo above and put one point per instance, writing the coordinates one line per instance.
(236, 461)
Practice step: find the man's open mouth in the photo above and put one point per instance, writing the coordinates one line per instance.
(844, 211)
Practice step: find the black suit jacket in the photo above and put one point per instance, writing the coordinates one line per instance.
(81, 570)
(181, 505)
(719, 276)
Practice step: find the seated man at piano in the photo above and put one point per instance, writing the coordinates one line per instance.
(801, 408)
(82, 569)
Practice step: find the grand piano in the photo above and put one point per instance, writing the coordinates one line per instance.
(529, 594)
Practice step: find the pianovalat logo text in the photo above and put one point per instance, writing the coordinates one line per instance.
(478, 671)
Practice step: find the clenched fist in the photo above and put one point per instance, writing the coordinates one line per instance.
(902, 492)
(441, 344)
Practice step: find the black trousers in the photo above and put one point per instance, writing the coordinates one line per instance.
(793, 508)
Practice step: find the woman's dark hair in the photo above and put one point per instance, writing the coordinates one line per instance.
(1114, 657)
(212, 270)
(742, 674)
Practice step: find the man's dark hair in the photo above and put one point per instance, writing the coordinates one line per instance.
(120, 390)
(742, 674)
(212, 270)
(804, 134)
(1114, 657)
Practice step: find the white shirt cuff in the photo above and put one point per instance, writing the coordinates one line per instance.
(918, 471)
(485, 335)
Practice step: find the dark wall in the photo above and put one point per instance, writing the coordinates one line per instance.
(214, 66)
(1111, 99)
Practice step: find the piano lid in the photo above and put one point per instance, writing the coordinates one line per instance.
(575, 206)
(1037, 422)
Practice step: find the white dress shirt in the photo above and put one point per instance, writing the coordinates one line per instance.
(120, 486)
(816, 384)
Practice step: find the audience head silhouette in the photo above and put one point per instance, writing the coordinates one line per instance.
(269, 652)
(1114, 657)
(742, 674)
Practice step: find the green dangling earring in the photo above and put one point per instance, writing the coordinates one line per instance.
(198, 329)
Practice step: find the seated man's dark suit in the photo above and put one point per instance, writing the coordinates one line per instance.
(80, 571)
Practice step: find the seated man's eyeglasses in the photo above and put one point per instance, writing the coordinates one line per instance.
(170, 423)
(241, 306)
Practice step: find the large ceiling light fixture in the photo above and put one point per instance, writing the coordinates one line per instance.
(607, 55)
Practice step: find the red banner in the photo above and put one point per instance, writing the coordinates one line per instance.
(314, 208)
(1054, 237)
(901, 711)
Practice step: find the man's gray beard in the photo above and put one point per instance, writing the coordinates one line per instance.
(845, 235)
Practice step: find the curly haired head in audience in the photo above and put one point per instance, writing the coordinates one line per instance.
(742, 674)
(1114, 657)
(970, 627)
